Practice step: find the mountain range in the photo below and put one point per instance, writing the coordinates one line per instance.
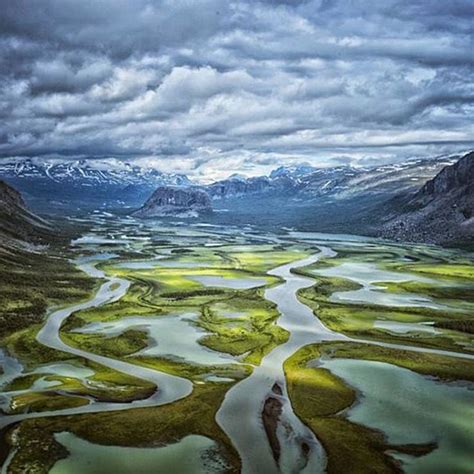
(417, 200)
(306, 182)
(52, 185)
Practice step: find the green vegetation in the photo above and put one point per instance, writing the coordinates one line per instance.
(168, 290)
(440, 366)
(195, 372)
(319, 398)
(104, 385)
(357, 319)
(32, 282)
(238, 322)
(451, 271)
(45, 401)
(463, 292)
(252, 331)
(35, 444)
(129, 342)
(264, 258)
(153, 291)
(21, 383)
(453, 293)
(462, 325)
(25, 346)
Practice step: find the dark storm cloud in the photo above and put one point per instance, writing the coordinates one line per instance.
(210, 87)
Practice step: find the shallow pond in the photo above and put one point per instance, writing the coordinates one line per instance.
(403, 328)
(224, 282)
(173, 336)
(410, 408)
(184, 264)
(366, 274)
(192, 455)
(140, 264)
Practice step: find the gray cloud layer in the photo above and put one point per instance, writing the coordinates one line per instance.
(211, 87)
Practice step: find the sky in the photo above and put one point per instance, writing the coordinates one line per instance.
(215, 87)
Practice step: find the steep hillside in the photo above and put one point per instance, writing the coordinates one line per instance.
(19, 227)
(442, 211)
(33, 269)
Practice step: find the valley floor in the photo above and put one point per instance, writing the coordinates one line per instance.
(201, 348)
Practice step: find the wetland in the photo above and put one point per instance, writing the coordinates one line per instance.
(179, 347)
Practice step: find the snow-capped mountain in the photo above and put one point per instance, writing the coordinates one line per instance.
(338, 199)
(82, 185)
(304, 182)
(89, 172)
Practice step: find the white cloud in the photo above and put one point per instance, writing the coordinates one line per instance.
(211, 87)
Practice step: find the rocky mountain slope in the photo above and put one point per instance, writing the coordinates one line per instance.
(176, 201)
(19, 227)
(442, 211)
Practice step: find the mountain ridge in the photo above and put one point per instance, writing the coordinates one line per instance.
(51, 177)
(309, 182)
